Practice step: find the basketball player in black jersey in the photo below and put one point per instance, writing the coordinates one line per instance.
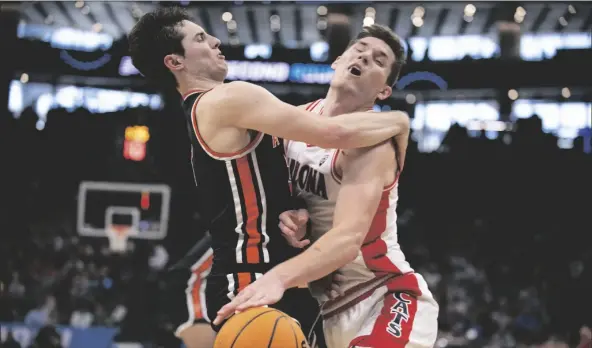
(237, 153)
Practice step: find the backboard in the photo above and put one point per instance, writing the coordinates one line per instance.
(143, 208)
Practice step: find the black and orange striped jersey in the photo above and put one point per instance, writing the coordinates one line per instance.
(240, 198)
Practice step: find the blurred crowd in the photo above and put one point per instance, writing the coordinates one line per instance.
(497, 228)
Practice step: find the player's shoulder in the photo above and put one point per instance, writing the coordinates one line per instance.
(377, 152)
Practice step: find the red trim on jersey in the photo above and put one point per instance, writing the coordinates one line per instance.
(200, 273)
(313, 105)
(334, 173)
(338, 177)
(244, 279)
(208, 150)
(252, 210)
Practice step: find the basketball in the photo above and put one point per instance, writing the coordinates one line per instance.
(261, 327)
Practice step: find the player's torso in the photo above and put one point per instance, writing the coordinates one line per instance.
(240, 197)
(315, 178)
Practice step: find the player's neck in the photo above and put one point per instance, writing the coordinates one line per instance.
(192, 84)
(339, 101)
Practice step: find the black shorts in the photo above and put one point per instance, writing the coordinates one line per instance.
(194, 297)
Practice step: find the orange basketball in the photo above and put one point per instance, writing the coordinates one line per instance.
(261, 327)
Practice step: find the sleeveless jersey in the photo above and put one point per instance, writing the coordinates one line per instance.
(240, 198)
(314, 179)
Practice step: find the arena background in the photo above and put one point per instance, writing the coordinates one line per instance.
(495, 196)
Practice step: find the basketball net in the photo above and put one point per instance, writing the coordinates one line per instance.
(118, 236)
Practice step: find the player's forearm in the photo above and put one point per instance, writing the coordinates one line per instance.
(361, 129)
(332, 251)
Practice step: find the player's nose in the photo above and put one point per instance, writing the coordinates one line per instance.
(215, 42)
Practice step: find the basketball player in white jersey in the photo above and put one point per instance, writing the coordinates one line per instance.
(351, 197)
(237, 159)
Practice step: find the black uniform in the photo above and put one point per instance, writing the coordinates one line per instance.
(240, 198)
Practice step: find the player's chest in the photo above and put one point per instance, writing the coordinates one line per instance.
(311, 169)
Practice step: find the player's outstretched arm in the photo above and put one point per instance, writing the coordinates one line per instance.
(248, 106)
(361, 189)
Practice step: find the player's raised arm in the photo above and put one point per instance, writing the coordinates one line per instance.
(245, 105)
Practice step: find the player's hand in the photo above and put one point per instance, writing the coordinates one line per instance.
(335, 289)
(264, 291)
(331, 285)
(293, 227)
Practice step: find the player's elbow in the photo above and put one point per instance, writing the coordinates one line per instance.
(351, 246)
(403, 121)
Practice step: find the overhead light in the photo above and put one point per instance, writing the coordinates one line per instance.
(470, 10)
(79, 4)
(468, 19)
(418, 12)
(322, 24)
(368, 21)
(231, 25)
(410, 98)
(97, 27)
(519, 14)
(417, 21)
(562, 21)
(565, 92)
(227, 16)
(25, 78)
(370, 12)
(85, 10)
(571, 9)
(322, 11)
(274, 23)
(513, 94)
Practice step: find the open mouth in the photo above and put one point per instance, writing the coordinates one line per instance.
(354, 70)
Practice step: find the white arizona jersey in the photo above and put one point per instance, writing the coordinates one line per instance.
(313, 175)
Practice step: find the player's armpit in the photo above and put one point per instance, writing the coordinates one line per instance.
(248, 106)
(365, 172)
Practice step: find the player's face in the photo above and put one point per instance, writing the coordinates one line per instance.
(365, 67)
(202, 53)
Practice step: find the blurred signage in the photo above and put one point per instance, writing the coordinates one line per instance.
(261, 71)
(93, 337)
(532, 47)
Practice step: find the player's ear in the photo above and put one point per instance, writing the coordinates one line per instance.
(385, 92)
(334, 64)
(173, 62)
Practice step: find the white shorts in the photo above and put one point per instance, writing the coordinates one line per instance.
(385, 318)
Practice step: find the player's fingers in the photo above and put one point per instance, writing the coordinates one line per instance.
(339, 278)
(332, 294)
(288, 232)
(289, 223)
(301, 244)
(255, 301)
(338, 289)
(302, 216)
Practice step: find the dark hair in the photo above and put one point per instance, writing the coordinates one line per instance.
(154, 36)
(392, 40)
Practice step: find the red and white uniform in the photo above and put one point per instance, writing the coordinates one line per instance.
(386, 304)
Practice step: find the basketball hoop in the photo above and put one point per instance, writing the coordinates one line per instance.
(118, 236)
